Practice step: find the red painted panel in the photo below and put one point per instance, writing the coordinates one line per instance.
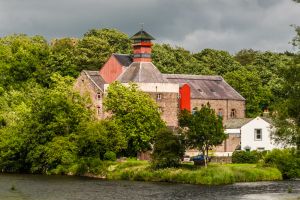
(111, 70)
(185, 97)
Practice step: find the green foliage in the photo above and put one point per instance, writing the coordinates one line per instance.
(110, 155)
(96, 138)
(176, 60)
(219, 62)
(205, 129)
(247, 156)
(249, 85)
(168, 149)
(98, 44)
(22, 58)
(286, 160)
(214, 174)
(136, 113)
(287, 117)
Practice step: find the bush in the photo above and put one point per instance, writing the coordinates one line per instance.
(247, 156)
(109, 155)
(286, 161)
(168, 150)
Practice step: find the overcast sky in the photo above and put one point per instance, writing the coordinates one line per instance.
(193, 24)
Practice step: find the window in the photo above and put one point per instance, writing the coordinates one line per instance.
(257, 134)
(233, 113)
(194, 110)
(260, 148)
(199, 90)
(158, 96)
(98, 110)
(98, 96)
(220, 112)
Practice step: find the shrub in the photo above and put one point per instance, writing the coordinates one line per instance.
(168, 150)
(247, 156)
(286, 161)
(109, 155)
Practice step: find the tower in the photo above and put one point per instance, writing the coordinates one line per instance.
(142, 46)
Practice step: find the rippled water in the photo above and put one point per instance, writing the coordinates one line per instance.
(38, 187)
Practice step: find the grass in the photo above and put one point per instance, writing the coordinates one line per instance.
(214, 174)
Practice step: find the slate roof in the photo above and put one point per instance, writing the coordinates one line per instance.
(236, 123)
(206, 87)
(124, 59)
(95, 78)
(142, 35)
(142, 72)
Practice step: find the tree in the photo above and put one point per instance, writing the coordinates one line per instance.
(249, 85)
(95, 138)
(63, 58)
(168, 149)
(22, 58)
(98, 44)
(176, 60)
(136, 113)
(204, 130)
(287, 115)
(219, 62)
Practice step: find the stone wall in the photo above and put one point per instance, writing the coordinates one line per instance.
(168, 106)
(230, 144)
(85, 87)
(223, 106)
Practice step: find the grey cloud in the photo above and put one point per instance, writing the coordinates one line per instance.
(194, 24)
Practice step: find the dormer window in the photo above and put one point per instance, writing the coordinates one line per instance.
(199, 90)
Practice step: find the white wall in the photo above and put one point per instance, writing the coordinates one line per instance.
(248, 135)
(154, 87)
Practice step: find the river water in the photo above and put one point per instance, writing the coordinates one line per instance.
(39, 187)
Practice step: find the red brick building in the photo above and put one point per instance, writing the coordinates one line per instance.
(172, 92)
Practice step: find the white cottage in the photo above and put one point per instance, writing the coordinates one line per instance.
(254, 133)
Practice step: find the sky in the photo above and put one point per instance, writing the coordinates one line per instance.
(229, 25)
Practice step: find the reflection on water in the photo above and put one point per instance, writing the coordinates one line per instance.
(38, 187)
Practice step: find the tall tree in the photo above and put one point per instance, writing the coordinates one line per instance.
(98, 44)
(136, 113)
(205, 129)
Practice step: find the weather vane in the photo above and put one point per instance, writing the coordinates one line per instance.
(142, 26)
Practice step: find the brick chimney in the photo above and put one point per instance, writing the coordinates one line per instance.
(142, 46)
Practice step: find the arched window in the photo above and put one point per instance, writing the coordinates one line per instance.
(233, 113)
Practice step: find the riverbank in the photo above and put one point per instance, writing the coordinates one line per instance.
(214, 174)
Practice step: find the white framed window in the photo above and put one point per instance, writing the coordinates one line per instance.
(258, 134)
(159, 96)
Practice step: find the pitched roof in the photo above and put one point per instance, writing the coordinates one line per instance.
(142, 35)
(142, 72)
(95, 78)
(123, 59)
(236, 123)
(206, 87)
